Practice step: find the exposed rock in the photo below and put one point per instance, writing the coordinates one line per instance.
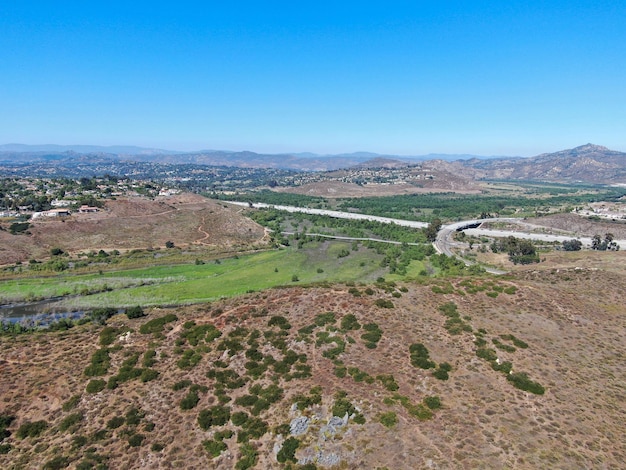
(299, 426)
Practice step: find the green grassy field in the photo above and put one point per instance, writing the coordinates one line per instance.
(191, 283)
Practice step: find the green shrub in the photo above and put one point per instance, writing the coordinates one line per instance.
(214, 447)
(480, 342)
(327, 318)
(389, 419)
(253, 428)
(101, 315)
(135, 312)
(148, 374)
(195, 334)
(434, 402)
(189, 401)
(189, 360)
(156, 325)
(135, 440)
(516, 341)
(70, 421)
(239, 418)
(31, 429)
(57, 463)
(349, 322)
(279, 321)
(304, 401)
(420, 412)
(215, 416)
(354, 291)
(342, 406)
(523, 382)
(420, 356)
(384, 303)
(359, 418)
(372, 336)
(5, 422)
(115, 422)
(388, 381)
(181, 384)
(100, 362)
(134, 416)
(67, 406)
(107, 335)
(487, 354)
(95, 386)
(504, 367)
(18, 227)
(79, 441)
(149, 358)
(502, 346)
(288, 451)
(248, 457)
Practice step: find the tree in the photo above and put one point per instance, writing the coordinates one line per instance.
(605, 244)
(572, 245)
(101, 315)
(519, 251)
(169, 244)
(431, 231)
(135, 312)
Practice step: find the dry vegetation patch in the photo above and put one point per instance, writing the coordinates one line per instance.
(136, 223)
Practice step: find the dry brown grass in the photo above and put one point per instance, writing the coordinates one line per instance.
(136, 223)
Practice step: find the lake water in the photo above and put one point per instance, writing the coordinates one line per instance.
(37, 313)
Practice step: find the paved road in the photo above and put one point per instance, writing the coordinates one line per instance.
(335, 214)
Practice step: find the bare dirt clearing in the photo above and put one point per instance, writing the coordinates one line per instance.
(581, 226)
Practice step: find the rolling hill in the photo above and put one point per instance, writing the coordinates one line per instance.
(135, 223)
(380, 376)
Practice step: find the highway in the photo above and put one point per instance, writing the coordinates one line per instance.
(335, 214)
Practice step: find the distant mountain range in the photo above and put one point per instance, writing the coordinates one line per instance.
(53, 149)
(303, 161)
(587, 163)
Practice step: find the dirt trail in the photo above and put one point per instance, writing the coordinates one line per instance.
(203, 232)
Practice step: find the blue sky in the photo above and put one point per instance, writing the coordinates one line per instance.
(410, 78)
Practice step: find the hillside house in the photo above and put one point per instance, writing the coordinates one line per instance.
(52, 213)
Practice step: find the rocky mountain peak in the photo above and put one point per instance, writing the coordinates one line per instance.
(589, 148)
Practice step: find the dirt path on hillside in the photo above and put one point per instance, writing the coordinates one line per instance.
(201, 230)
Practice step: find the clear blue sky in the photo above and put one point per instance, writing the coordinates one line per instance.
(483, 77)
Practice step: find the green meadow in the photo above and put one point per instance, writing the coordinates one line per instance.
(194, 283)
